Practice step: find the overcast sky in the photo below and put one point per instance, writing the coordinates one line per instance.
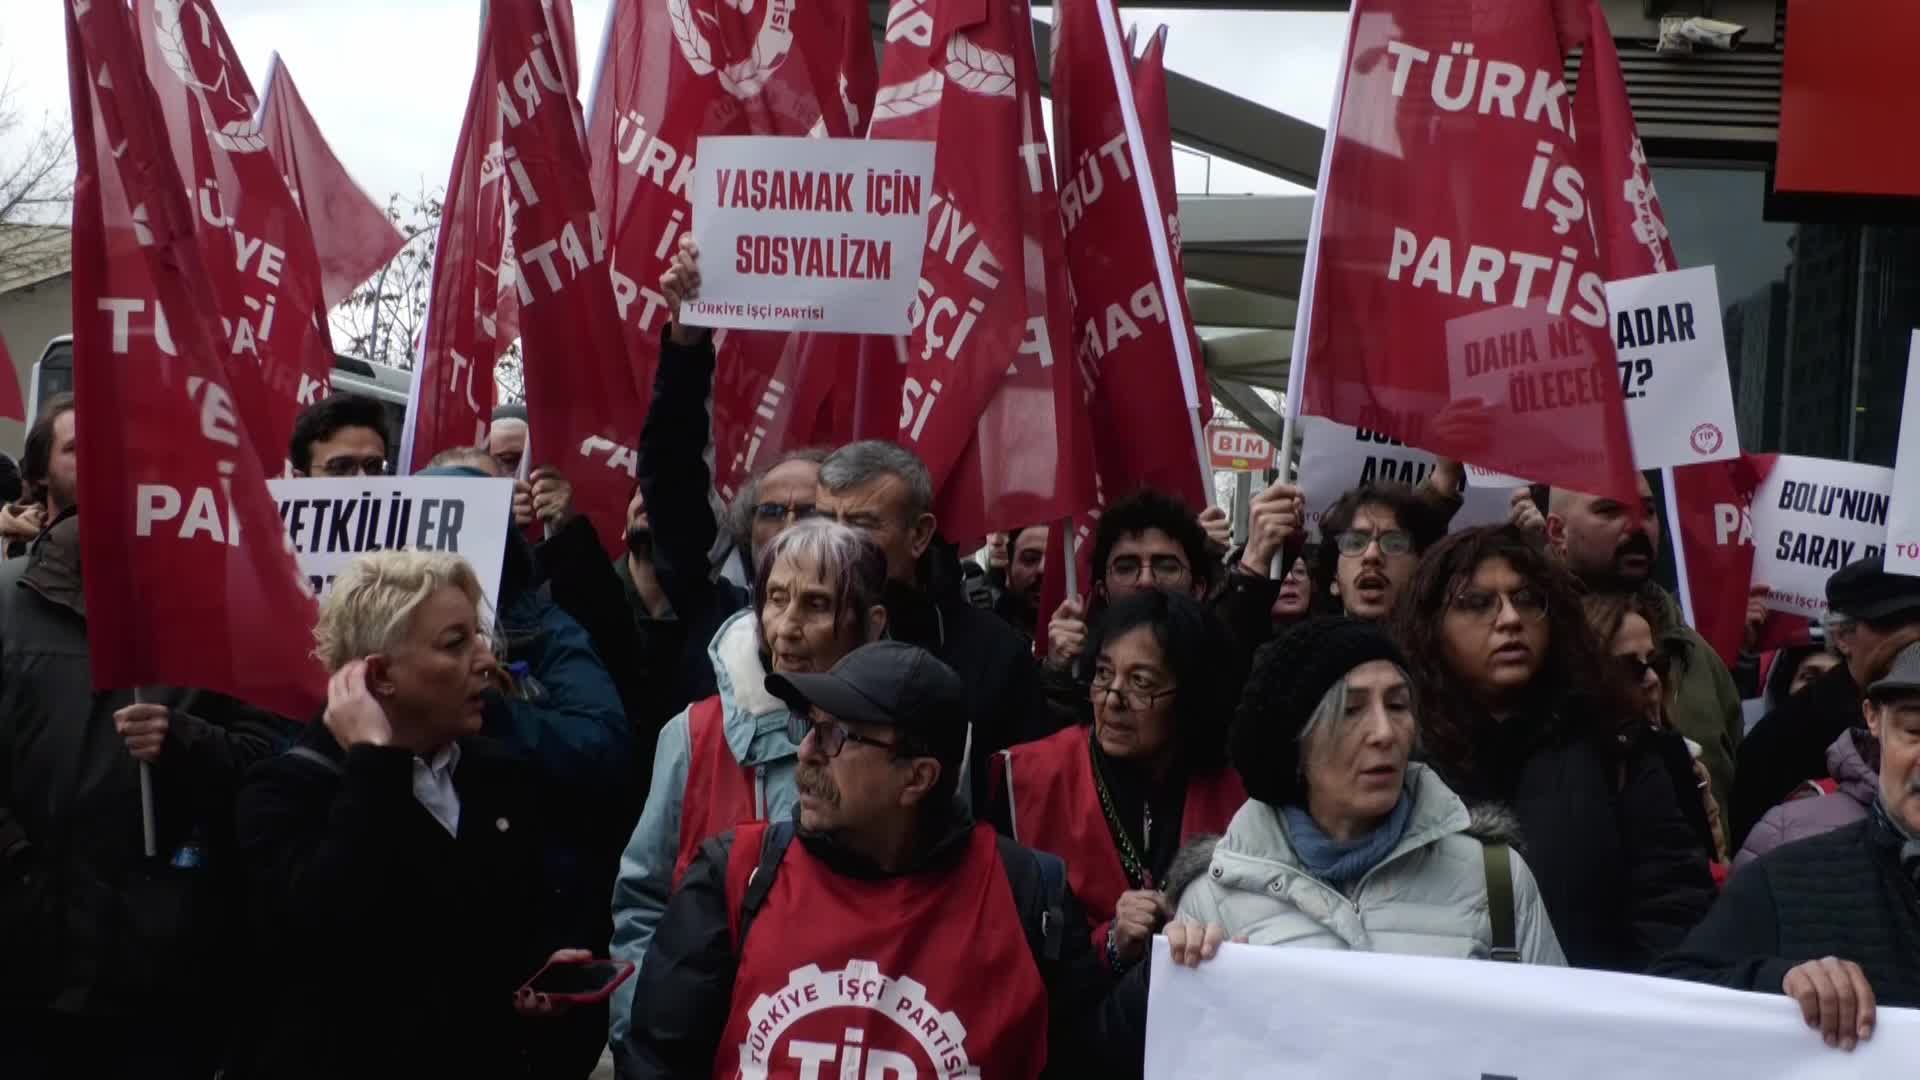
(387, 79)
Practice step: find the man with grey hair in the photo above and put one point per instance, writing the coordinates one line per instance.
(885, 491)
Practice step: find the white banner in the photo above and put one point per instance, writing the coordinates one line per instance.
(811, 234)
(333, 520)
(1335, 458)
(1810, 518)
(1314, 1014)
(1903, 517)
(1672, 358)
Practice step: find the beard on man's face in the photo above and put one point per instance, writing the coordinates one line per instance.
(1634, 559)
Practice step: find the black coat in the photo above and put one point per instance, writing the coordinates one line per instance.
(387, 947)
(1789, 747)
(88, 925)
(1844, 893)
(1620, 870)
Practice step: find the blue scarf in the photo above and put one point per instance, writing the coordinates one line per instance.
(1341, 863)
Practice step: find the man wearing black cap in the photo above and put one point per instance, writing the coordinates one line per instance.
(897, 932)
(1789, 746)
(1833, 921)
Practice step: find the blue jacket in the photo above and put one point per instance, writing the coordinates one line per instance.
(756, 730)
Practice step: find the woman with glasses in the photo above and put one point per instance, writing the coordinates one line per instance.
(731, 758)
(1519, 707)
(1631, 626)
(1117, 799)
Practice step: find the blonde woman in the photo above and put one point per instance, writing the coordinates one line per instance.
(393, 855)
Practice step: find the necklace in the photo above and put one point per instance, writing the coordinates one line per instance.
(1131, 861)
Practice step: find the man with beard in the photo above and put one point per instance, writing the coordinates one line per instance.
(1019, 602)
(1612, 548)
(878, 921)
(884, 491)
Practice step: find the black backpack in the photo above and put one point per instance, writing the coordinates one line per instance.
(1038, 880)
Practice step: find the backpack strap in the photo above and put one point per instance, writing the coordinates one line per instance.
(773, 848)
(1499, 862)
(1039, 884)
(309, 754)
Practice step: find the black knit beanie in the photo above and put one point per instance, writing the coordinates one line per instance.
(1290, 675)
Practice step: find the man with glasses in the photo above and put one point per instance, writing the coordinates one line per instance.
(878, 924)
(340, 436)
(1613, 547)
(1371, 542)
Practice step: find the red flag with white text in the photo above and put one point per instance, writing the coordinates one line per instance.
(1455, 297)
(352, 235)
(1715, 501)
(189, 579)
(1150, 98)
(984, 381)
(473, 296)
(12, 407)
(266, 279)
(1628, 222)
(582, 404)
(670, 72)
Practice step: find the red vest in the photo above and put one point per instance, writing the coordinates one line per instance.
(1055, 807)
(912, 977)
(720, 791)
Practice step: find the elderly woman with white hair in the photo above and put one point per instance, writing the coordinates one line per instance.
(392, 855)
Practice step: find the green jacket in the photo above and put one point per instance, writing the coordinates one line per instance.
(1704, 703)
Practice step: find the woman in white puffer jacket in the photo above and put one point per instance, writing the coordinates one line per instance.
(1344, 843)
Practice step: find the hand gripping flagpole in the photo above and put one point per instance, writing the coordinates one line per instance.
(1170, 296)
(1303, 316)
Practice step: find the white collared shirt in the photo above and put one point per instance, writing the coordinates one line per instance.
(433, 787)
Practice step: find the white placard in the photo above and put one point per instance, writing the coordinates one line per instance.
(1419, 1018)
(331, 521)
(1810, 518)
(1903, 517)
(809, 234)
(1335, 458)
(1672, 356)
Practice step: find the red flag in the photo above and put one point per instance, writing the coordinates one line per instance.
(1124, 322)
(669, 73)
(1628, 222)
(473, 300)
(189, 580)
(982, 387)
(1454, 295)
(582, 403)
(1715, 527)
(266, 277)
(11, 406)
(351, 234)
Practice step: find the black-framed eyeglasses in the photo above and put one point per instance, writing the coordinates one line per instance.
(1636, 668)
(1164, 569)
(831, 736)
(345, 466)
(773, 511)
(1355, 542)
(1135, 697)
(1484, 604)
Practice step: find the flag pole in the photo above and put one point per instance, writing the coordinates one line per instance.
(1171, 299)
(147, 833)
(1071, 557)
(1303, 312)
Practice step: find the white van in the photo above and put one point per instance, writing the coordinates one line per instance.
(53, 374)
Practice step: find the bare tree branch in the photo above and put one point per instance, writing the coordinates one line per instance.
(36, 188)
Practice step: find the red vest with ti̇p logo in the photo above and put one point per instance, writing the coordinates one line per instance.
(1054, 804)
(720, 790)
(909, 978)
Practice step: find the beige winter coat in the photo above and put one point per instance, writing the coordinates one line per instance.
(1428, 897)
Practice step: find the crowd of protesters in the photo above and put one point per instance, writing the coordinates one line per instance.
(811, 718)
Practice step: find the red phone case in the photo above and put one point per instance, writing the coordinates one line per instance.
(594, 998)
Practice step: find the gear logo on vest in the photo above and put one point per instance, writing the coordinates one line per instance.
(855, 1022)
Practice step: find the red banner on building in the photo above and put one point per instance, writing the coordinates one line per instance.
(669, 73)
(189, 580)
(582, 404)
(352, 236)
(1456, 297)
(266, 279)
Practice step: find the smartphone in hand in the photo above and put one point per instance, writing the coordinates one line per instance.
(586, 982)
